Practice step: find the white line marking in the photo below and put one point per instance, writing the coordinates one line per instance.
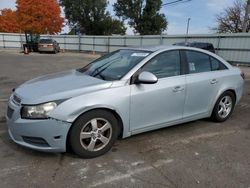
(162, 162)
(202, 136)
(119, 177)
(130, 173)
(136, 163)
(7, 171)
(159, 163)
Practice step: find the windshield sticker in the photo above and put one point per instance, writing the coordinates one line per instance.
(139, 54)
(192, 66)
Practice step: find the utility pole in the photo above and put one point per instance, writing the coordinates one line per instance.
(187, 28)
(246, 18)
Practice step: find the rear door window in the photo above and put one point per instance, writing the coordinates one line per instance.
(198, 62)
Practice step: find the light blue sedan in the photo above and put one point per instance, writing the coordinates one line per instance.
(123, 93)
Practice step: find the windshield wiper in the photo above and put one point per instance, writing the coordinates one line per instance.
(97, 71)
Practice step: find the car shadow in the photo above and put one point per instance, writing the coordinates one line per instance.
(178, 129)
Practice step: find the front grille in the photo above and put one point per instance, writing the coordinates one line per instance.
(36, 141)
(10, 112)
(16, 99)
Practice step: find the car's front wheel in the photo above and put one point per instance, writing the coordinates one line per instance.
(93, 133)
(224, 107)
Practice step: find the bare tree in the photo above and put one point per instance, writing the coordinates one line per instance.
(232, 19)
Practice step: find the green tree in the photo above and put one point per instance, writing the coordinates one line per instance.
(113, 26)
(143, 15)
(91, 16)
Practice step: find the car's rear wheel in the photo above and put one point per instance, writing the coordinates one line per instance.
(224, 107)
(93, 133)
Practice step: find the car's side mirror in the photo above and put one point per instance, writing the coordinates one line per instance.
(146, 78)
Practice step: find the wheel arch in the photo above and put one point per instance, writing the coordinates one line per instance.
(234, 93)
(114, 112)
(232, 90)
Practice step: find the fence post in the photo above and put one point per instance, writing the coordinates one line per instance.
(64, 42)
(93, 46)
(3, 41)
(21, 42)
(124, 43)
(108, 44)
(161, 40)
(79, 42)
(218, 44)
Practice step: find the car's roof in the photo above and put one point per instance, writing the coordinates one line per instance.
(158, 47)
(172, 47)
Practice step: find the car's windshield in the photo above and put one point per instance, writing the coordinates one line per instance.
(115, 65)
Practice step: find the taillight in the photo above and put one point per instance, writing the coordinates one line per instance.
(242, 75)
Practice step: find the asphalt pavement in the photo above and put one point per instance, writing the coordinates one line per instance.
(196, 154)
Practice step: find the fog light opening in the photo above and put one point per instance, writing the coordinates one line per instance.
(57, 137)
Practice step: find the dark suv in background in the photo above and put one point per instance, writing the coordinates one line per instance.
(202, 45)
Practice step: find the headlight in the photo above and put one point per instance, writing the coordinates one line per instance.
(40, 111)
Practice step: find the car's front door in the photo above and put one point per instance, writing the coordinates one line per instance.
(162, 102)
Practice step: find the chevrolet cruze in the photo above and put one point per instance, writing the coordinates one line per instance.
(126, 92)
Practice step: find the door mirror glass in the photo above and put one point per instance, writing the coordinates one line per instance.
(146, 78)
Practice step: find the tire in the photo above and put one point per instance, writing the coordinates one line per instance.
(223, 109)
(99, 130)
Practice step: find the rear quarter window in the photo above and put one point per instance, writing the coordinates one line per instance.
(216, 64)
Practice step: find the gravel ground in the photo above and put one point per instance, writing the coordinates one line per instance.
(195, 154)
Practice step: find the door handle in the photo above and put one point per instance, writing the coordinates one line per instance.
(178, 88)
(214, 81)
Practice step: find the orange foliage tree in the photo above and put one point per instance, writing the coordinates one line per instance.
(8, 21)
(39, 16)
(36, 16)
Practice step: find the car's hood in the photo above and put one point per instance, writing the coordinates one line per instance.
(58, 86)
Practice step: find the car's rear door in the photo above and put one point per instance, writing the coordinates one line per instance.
(203, 82)
(155, 104)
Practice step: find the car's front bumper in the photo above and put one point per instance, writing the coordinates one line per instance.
(48, 135)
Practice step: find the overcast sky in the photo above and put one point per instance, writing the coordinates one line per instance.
(201, 12)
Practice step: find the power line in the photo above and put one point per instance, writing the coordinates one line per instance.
(175, 2)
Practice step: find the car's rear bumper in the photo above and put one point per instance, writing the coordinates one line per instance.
(45, 49)
(239, 91)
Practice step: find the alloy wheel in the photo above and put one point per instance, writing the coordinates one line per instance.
(225, 106)
(95, 134)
